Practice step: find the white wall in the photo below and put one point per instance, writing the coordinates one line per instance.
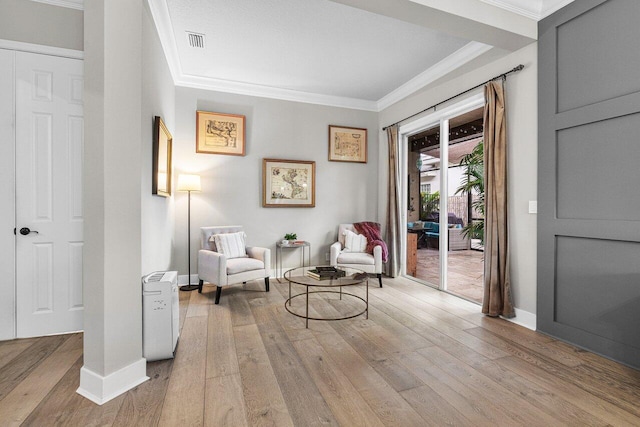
(232, 185)
(113, 360)
(158, 99)
(39, 23)
(522, 118)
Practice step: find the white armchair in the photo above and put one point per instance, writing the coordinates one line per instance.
(364, 261)
(219, 269)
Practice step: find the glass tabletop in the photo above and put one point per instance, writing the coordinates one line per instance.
(352, 276)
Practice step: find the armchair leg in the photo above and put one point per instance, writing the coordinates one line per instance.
(266, 283)
(218, 292)
(380, 279)
(200, 282)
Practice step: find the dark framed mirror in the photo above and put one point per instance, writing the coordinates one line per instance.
(162, 140)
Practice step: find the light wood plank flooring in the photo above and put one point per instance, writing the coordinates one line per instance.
(422, 358)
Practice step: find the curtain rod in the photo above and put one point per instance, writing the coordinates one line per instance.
(501, 76)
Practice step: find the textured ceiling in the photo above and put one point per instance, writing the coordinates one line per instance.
(314, 46)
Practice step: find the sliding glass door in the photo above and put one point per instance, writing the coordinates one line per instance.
(442, 208)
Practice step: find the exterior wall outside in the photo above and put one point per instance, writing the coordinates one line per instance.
(455, 175)
(521, 89)
(39, 23)
(232, 185)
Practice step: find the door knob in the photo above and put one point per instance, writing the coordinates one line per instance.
(25, 230)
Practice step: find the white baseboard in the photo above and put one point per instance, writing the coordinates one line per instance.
(524, 318)
(100, 390)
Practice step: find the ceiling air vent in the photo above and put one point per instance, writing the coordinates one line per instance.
(195, 40)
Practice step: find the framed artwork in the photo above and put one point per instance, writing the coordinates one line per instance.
(347, 144)
(218, 133)
(288, 183)
(161, 169)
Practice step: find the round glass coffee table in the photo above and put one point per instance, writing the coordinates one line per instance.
(352, 277)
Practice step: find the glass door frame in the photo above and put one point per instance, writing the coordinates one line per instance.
(437, 118)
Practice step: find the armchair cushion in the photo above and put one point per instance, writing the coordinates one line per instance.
(230, 244)
(355, 258)
(240, 265)
(354, 242)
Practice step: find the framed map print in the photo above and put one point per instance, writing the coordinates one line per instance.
(347, 144)
(288, 183)
(218, 133)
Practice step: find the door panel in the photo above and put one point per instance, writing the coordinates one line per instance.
(584, 51)
(49, 145)
(588, 230)
(596, 287)
(586, 174)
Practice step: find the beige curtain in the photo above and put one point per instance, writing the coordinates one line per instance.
(393, 205)
(497, 300)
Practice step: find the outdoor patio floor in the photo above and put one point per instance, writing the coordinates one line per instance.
(465, 271)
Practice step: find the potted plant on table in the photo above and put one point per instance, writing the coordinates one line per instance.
(289, 238)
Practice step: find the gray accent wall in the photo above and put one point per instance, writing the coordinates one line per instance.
(588, 229)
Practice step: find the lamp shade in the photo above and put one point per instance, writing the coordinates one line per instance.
(187, 182)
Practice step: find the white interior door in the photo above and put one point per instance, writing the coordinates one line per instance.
(49, 151)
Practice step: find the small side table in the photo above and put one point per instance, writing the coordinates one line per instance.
(280, 246)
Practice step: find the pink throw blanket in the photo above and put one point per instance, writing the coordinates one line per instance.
(371, 230)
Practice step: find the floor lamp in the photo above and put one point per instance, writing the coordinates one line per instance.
(189, 183)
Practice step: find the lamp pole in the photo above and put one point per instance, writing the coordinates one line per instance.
(188, 183)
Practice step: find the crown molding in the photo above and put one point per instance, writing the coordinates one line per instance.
(548, 9)
(460, 57)
(529, 8)
(534, 9)
(239, 88)
(71, 4)
(457, 59)
(162, 19)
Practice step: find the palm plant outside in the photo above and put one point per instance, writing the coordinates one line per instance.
(473, 183)
(430, 203)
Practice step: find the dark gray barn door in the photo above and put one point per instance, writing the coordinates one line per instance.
(589, 177)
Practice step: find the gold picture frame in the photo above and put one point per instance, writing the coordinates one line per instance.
(347, 144)
(288, 183)
(220, 133)
(161, 168)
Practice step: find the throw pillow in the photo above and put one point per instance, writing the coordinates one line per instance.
(230, 244)
(354, 242)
